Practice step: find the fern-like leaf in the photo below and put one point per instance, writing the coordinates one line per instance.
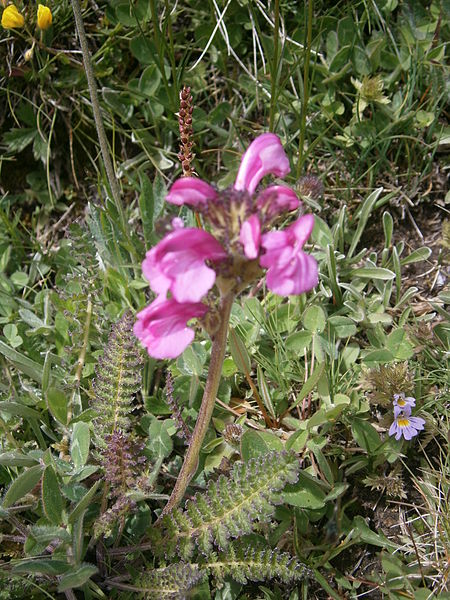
(229, 506)
(246, 563)
(169, 583)
(117, 380)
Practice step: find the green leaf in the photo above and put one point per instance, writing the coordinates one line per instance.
(369, 536)
(298, 341)
(264, 391)
(306, 493)
(379, 356)
(142, 50)
(343, 327)
(373, 273)
(52, 501)
(416, 256)
(252, 445)
(16, 459)
(192, 360)
(76, 577)
(44, 534)
(255, 443)
(84, 502)
(388, 228)
(309, 385)
(24, 483)
(11, 334)
(23, 363)
(297, 441)
(57, 404)
(365, 435)
(314, 319)
(160, 443)
(150, 80)
(397, 342)
(79, 447)
(118, 102)
(18, 139)
(41, 566)
(159, 195)
(19, 410)
(229, 507)
(146, 207)
(364, 215)
(338, 490)
(239, 352)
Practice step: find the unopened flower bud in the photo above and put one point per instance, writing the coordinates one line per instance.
(44, 17)
(11, 18)
(28, 55)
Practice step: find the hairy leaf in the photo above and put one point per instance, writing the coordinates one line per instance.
(229, 506)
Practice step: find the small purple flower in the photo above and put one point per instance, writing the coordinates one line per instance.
(402, 403)
(405, 425)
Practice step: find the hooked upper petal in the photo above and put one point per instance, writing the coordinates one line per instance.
(264, 155)
(277, 199)
(192, 191)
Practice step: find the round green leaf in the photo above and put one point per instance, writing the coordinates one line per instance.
(314, 319)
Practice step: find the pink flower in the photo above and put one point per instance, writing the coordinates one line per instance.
(290, 270)
(162, 326)
(264, 155)
(177, 264)
(192, 191)
(278, 198)
(250, 236)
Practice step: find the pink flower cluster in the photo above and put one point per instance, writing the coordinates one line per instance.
(185, 263)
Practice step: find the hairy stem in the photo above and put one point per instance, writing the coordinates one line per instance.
(92, 85)
(275, 65)
(306, 85)
(204, 416)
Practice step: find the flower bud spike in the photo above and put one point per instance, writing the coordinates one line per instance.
(186, 132)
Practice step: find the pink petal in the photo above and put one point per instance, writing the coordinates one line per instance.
(274, 240)
(302, 228)
(264, 155)
(162, 329)
(177, 263)
(290, 270)
(250, 236)
(299, 277)
(279, 198)
(192, 191)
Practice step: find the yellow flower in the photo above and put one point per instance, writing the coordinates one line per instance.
(12, 18)
(44, 17)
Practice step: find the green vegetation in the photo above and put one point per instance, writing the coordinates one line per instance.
(300, 492)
